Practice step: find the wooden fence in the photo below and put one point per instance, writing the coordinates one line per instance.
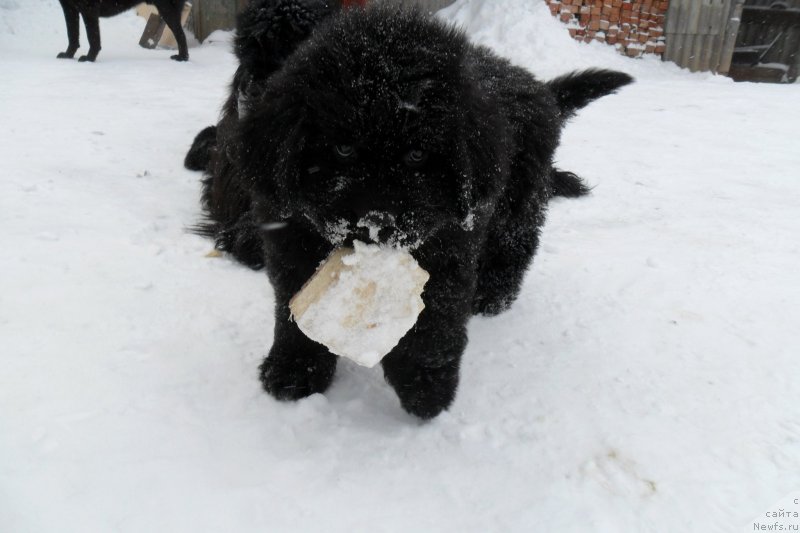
(701, 34)
(776, 29)
(211, 15)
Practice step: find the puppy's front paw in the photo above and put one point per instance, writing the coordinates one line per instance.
(84, 59)
(65, 55)
(288, 378)
(179, 57)
(424, 392)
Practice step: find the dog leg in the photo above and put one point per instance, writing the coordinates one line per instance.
(423, 391)
(92, 23)
(171, 13)
(71, 17)
(296, 366)
(508, 254)
(423, 368)
(199, 155)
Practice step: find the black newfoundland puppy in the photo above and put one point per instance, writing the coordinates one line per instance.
(92, 10)
(384, 117)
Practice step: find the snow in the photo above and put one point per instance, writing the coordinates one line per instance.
(361, 301)
(646, 380)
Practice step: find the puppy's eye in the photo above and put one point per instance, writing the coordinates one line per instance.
(345, 152)
(415, 158)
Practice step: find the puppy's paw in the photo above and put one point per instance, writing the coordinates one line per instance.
(491, 305)
(65, 55)
(291, 379)
(84, 59)
(423, 392)
(179, 57)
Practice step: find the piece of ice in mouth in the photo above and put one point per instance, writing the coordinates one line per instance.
(361, 301)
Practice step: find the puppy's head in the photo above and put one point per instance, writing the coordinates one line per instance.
(374, 130)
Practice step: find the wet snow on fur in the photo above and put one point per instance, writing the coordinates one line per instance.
(645, 380)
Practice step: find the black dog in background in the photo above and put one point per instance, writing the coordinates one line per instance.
(383, 117)
(92, 10)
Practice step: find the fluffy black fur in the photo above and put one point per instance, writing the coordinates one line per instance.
(199, 155)
(92, 10)
(386, 117)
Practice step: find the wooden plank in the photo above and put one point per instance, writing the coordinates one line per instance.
(674, 16)
(693, 22)
(212, 15)
(703, 19)
(701, 32)
(156, 32)
(724, 46)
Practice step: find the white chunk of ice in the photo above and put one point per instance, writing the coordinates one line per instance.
(361, 301)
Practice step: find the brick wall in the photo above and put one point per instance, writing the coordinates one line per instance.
(634, 27)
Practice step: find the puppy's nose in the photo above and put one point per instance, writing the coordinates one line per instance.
(377, 219)
(376, 227)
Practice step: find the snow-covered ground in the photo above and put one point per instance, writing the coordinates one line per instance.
(646, 380)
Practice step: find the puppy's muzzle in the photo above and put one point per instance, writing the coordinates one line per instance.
(377, 226)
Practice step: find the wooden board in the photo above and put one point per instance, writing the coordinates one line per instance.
(156, 33)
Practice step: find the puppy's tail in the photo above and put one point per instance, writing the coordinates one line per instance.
(199, 155)
(577, 89)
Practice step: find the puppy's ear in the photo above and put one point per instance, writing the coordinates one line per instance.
(268, 31)
(577, 89)
(266, 139)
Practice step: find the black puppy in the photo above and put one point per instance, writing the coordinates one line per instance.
(91, 10)
(384, 117)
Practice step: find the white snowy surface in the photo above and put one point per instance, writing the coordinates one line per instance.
(645, 381)
(361, 301)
